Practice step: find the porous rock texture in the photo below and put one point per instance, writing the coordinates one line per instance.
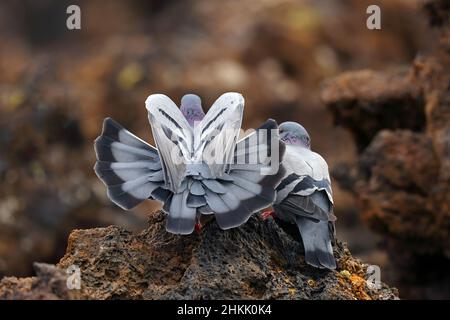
(255, 261)
(401, 124)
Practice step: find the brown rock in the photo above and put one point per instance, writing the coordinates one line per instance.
(399, 173)
(255, 261)
(402, 177)
(49, 284)
(367, 101)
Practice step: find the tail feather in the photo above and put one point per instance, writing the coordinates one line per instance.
(242, 198)
(132, 171)
(229, 210)
(247, 191)
(317, 239)
(181, 219)
(128, 166)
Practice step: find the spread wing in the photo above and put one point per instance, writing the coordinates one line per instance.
(248, 187)
(128, 166)
(216, 135)
(173, 137)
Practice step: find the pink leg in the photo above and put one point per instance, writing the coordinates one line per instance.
(198, 227)
(266, 214)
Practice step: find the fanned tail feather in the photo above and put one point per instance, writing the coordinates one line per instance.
(317, 239)
(181, 219)
(128, 166)
(132, 171)
(248, 190)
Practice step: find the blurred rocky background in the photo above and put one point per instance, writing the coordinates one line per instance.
(388, 152)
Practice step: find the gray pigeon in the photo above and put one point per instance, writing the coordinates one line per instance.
(180, 173)
(304, 196)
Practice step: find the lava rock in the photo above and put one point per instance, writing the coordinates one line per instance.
(401, 123)
(255, 261)
(50, 283)
(368, 101)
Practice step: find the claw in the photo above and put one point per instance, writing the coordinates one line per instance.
(266, 214)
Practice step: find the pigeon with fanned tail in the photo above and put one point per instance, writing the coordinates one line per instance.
(304, 196)
(194, 168)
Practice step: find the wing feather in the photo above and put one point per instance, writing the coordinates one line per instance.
(173, 137)
(216, 135)
(128, 166)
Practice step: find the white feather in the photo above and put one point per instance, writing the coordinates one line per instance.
(303, 162)
(221, 126)
(217, 132)
(163, 114)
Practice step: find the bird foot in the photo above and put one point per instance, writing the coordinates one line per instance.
(198, 227)
(266, 214)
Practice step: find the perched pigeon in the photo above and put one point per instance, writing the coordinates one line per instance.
(180, 173)
(304, 196)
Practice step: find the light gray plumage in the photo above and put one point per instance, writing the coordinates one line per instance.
(134, 171)
(304, 196)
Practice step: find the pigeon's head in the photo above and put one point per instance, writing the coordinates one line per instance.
(294, 133)
(191, 108)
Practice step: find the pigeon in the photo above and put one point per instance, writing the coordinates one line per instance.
(195, 168)
(304, 196)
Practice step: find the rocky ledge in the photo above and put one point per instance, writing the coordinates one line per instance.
(400, 120)
(255, 261)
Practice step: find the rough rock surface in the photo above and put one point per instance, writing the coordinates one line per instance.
(256, 261)
(367, 101)
(49, 284)
(402, 177)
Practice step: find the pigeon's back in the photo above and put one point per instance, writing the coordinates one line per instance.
(303, 161)
(304, 197)
(306, 172)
